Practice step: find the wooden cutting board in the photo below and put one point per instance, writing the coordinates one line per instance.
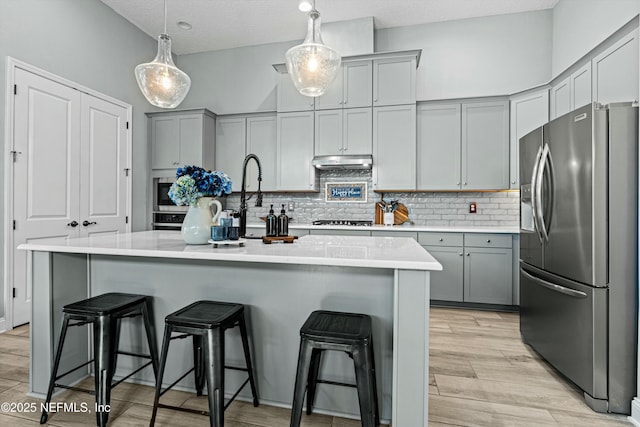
(280, 239)
(400, 216)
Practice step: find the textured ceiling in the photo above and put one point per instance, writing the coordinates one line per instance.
(222, 24)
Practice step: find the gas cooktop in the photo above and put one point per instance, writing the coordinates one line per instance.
(343, 222)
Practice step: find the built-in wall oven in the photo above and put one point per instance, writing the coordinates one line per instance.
(166, 214)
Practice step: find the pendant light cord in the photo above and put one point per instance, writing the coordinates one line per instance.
(165, 17)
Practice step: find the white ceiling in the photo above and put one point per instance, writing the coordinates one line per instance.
(222, 24)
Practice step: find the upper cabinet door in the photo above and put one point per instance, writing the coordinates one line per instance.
(328, 133)
(295, 152)
(289, 99)
(394, 147)
(262, 141)
(394, 81)
(334, 96)
(357, 130)
(439, 147)
(358, 86)
(165, 150)
(560, 99)
(190, 134)
(615, 71)
(528, 112)
(581, 87)
(485, 146)
(230, 148)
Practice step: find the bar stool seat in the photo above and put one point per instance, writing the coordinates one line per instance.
(347, 332)
(206, 322)
(104, 312)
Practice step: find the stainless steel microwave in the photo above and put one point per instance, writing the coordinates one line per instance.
(161, 200)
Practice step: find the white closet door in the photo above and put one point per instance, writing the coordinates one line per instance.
(103, 163)
(46, 180)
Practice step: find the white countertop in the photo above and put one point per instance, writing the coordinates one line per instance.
(407, 227)
(350, 251)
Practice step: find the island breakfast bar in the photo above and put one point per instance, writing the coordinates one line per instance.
(281, 284)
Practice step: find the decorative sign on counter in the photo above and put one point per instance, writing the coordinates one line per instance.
(346, 192)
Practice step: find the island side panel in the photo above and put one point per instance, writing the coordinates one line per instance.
(411, 348)
(56, 280)
(280, 297)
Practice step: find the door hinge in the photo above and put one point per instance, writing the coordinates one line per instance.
(15, 89)
(14, 292)
(127, 125)
(126, 171)
(126, 220)
(15, 153)
(14, 224)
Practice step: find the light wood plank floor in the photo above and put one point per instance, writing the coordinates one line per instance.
(481, 375)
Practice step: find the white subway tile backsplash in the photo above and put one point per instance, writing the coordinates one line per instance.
(437, 209)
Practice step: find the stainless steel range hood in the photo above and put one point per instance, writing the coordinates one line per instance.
(343, 162)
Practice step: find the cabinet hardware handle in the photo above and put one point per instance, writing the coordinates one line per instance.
(513, 182)
(73, 224)
(441, 239)
(460, 253)
(488, 240)
(375, 100)
(464, 183)
(458, 183)
(87, 223)
(468, 254)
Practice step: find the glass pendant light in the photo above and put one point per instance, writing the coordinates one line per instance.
(312, 65)
(161, 82)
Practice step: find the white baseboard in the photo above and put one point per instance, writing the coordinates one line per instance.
(635, 412)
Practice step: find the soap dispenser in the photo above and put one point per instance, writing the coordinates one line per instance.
(283, 223)
(272, 223)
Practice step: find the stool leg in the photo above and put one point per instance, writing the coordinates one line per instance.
(374, 381)
(198, 363)
(364, 384)
(214, 369)
(312, 379)
(163, 361)
(115, 340)
(151, 335)
(304, 359)
(103, 330)
(247, 357)
(54, 369)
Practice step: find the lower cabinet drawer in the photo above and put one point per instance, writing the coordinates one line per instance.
(439, 239)
(484, 240)
(447, 285)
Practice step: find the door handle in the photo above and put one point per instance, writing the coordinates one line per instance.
(73, 224)
(534, 200)
(87, 223)
(553, 286)
(538, 195)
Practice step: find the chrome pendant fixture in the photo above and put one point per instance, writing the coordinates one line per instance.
(312, 65)
(161, 82)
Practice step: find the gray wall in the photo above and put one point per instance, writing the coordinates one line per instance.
(495, 55)
(85, 42)
(580, 25)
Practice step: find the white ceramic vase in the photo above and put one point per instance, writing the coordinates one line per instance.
(196, 227)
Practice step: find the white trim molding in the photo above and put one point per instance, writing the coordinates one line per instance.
(634, 418)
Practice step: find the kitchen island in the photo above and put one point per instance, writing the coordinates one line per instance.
(385, 277)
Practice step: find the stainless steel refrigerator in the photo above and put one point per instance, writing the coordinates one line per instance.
(578, 251)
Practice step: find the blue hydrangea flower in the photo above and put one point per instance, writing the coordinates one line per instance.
(193, 182)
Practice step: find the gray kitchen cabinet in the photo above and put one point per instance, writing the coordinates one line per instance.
(394, 148)
(262, 141)
(448, 284)
(289, 99)
(488, 275)
(439, 149)
(560, 98)
(352, 87)
(294, 152)
(485, 146)
(345, 131)
(528, 111)
(230, 148)
(615, 71)
(394, 80)
(181, 138)
(581, 86)
(238, 136)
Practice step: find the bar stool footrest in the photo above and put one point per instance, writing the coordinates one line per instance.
(336, 383)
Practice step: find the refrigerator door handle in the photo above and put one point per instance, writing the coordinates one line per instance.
(534, 203)
(538, 193)
(553, 286)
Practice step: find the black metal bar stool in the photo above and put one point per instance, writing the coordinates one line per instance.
(104, 312)
(206, 322)
(348, 332)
